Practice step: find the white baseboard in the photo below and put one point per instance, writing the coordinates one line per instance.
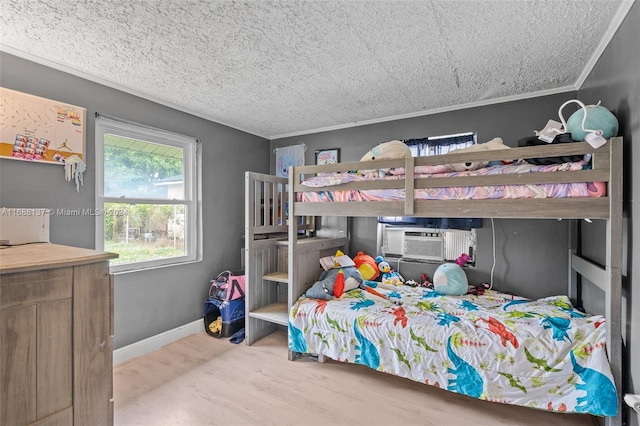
(153, 343)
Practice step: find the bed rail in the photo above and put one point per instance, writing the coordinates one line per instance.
(266, 203)
(595, 208)
(266, 210)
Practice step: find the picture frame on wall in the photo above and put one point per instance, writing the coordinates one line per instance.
(327, 156)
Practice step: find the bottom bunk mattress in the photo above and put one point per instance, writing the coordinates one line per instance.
(541, 353)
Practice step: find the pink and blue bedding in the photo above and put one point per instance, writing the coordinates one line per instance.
(551, 190)
(542, 354)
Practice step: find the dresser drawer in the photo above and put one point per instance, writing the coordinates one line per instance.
(28, 288)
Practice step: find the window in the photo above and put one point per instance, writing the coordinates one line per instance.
(146, 195)
(436, 145)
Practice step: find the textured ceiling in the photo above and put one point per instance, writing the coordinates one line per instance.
(283, 68)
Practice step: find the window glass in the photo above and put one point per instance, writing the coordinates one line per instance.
(147, 190)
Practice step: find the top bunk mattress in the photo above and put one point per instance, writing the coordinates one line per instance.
(329, 190)
(572, 190)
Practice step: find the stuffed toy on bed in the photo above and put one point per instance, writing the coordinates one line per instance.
(493, 144)
(384, 151)
(389, 276)
(324, 287)
(450, 279)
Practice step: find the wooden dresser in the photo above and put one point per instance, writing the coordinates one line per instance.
(56, 336)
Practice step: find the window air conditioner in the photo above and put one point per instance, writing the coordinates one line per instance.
(425, 244)
(423, 247)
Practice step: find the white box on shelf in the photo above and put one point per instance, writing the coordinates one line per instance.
(23, 226)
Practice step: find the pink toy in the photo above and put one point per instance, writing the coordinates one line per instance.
(462, 259)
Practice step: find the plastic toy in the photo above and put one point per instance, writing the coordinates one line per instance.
(425, 281)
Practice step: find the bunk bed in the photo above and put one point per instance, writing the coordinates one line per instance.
(312, 334)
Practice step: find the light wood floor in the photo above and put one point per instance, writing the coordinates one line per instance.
(201, 380)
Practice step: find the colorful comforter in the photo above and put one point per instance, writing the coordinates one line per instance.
(535, 353)
(555, 190)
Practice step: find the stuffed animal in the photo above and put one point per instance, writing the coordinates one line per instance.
(385, 151)
(389, 276)
(450, 279)
(493, 144)
(325, 286)
(598, 118)
(367, 266)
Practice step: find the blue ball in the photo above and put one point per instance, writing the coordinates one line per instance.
(598, 118)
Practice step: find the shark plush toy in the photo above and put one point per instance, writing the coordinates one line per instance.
(384, 151)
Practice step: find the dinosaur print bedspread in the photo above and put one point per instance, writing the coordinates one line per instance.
(535, 353)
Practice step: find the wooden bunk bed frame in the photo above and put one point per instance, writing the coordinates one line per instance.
(606, 167)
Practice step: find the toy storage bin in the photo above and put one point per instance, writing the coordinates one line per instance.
(223, 318)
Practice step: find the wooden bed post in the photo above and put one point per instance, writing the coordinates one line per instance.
(572, 244)
(613, 295)
(293, 241)
(409, 186)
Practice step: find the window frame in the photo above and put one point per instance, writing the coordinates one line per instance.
(192, 189)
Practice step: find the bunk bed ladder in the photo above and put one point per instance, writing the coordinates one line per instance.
(265, 228)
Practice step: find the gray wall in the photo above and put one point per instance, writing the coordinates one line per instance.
(616, 81)
(535, 248)
(152, 301)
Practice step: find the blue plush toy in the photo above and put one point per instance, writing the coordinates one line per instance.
(389, 276)
(598, 118)
(450, 279)
(323, 288)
